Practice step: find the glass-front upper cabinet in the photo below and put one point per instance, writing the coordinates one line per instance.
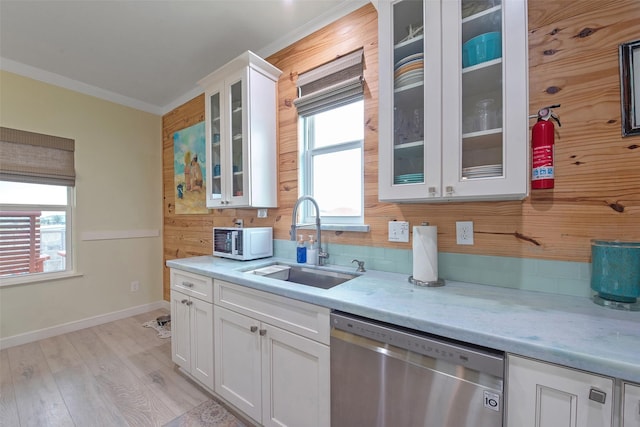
(214, 191)
(408, 92)
(458, 126)
(241, 134)
(237, 136)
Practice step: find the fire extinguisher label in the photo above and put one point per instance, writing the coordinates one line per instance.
(545, 172)
(542, 163)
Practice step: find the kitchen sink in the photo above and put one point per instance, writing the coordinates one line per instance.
(308, 276)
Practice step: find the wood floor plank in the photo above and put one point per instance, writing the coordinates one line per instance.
(116, 374)
(174, 390)
(59, 353)
(152, 366)
(8, 407)
(38, 399)
(135, 401)
(88, 403)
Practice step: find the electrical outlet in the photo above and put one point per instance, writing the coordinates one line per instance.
(464, 232)
(135, 285)
(262, 213)
(398, 231)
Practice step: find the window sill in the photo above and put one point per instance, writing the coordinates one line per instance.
(356, 228)
(37, 277)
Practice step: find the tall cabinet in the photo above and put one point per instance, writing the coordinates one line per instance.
(241, 146)
(453, 100)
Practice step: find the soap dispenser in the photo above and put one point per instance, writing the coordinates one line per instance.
(312, 252)
(301, 251)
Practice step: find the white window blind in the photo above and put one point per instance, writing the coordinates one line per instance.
(330, 85)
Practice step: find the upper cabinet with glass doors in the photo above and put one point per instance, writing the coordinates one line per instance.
(241, 120)
(453, 100)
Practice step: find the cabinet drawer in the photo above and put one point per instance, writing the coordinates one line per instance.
(194, 285)
(299, 317)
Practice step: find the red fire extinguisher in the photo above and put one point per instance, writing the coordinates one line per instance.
(542, 141)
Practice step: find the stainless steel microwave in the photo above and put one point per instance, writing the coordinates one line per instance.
(243, 243)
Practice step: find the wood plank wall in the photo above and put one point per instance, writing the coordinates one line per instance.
(573, 61)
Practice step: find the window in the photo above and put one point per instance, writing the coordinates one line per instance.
(36, 191)
(331, 139)
(332, 162)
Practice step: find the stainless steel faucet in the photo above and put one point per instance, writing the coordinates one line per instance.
(322, 256)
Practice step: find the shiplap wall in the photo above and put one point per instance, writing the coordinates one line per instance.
(573, 61)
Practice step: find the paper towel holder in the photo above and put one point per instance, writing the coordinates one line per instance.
(429, 284)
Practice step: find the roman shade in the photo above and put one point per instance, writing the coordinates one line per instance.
(330, 85)
(36, 158)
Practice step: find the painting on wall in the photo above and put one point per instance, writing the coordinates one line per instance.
(189, 170)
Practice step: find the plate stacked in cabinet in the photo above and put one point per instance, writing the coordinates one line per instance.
(409, 70)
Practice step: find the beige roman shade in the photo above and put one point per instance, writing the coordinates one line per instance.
(330, 85)
(36, 158)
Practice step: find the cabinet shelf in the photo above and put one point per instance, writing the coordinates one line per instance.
(408, 47)
(409, 145)
(488, 20)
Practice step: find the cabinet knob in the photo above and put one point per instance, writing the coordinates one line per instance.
(189, 302)
(597, 395)
(184, 301)
(253, 328)
(449, 189)
(187, 284)
(263, 332)
(432, 191)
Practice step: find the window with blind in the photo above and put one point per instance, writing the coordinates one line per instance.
(331, 122)
(37, 177)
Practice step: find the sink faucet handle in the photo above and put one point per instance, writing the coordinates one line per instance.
(360, 265)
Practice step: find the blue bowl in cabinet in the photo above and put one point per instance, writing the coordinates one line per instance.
(482, 48)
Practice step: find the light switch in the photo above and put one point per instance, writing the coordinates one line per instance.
(398, 231)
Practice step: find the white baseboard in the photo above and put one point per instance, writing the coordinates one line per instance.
(80, 324)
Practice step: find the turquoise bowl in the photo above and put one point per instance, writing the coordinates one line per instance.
(482, 48)
(615, 270)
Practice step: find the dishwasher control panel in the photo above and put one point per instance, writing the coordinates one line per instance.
(435, 347)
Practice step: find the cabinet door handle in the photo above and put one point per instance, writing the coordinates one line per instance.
(187, 284)
(184, 301)
(263, 332)
(189, 302)
(597, 395)
(253, 328)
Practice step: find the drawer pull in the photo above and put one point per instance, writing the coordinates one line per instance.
(253, 328)
(263, 332)
(187, 284)
(597, 395)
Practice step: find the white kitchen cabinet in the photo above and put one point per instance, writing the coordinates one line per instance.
(541, 394)
(630, 405)
(241, 120)
(192, 325)
(434, 144)
(272, 356)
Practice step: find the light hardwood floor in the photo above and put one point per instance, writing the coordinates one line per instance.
(115, 374)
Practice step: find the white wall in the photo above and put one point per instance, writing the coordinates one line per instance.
(118, 162)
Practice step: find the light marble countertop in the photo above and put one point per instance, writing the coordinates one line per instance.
(570, 331)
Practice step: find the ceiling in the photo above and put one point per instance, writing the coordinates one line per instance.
(149, 54)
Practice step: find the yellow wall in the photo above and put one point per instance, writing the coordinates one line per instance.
(118, 162)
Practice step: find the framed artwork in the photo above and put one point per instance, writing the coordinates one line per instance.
(630, 87)
(189, 170)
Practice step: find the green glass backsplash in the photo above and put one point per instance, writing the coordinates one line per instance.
(559, 277)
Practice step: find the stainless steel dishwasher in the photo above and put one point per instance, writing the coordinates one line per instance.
(383, 375)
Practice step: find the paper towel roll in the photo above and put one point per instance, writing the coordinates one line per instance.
(425, 253)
